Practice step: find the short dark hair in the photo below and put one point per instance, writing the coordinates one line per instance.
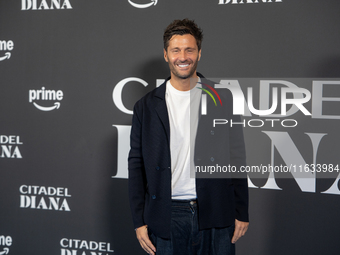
(182, 27)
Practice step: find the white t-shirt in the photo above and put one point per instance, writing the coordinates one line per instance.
(180, 105)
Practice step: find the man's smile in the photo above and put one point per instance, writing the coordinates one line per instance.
(183, 66)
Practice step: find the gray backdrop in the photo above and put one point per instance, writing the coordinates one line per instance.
(70, 73)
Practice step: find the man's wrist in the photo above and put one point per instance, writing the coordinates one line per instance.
(146, 226)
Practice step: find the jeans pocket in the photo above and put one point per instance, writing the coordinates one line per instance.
(153, 238)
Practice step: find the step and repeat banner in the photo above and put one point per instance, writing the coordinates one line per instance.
(71, 71)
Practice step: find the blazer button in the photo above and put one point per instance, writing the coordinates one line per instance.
(212, 159)
(153, 196)
(212, 132)
(157, 168)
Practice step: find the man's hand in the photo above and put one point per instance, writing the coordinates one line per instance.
(144, 240)
(240, 229)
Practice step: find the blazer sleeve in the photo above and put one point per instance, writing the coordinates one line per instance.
(137, 178)
(238, 159)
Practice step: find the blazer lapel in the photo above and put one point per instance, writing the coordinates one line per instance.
(161, 108)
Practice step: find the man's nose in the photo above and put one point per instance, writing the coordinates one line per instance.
(182, 55)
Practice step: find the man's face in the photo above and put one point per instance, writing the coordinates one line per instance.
(182, 55)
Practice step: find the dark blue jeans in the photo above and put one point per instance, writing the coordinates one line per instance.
(187, 239)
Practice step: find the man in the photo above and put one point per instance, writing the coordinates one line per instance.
(173, 213)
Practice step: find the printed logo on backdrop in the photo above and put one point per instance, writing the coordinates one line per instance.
(44, 198)
(45, 5)
(143, 5)
(5, 243)
(10, 146)
(84, 247)
(292, 99)
(6, 46)
(248, 1)
(46, 99)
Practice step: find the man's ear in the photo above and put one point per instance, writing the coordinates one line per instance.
(199, 55)
(165, 55)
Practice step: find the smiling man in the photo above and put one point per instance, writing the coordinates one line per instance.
(182, 54)
(172, 212)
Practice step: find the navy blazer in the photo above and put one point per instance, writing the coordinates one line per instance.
(219, 200)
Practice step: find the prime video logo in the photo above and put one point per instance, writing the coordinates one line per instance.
(5, 241)
(6, 46)
(142, 6)
(45, 95)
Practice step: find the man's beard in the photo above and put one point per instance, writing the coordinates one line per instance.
(183, 76)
